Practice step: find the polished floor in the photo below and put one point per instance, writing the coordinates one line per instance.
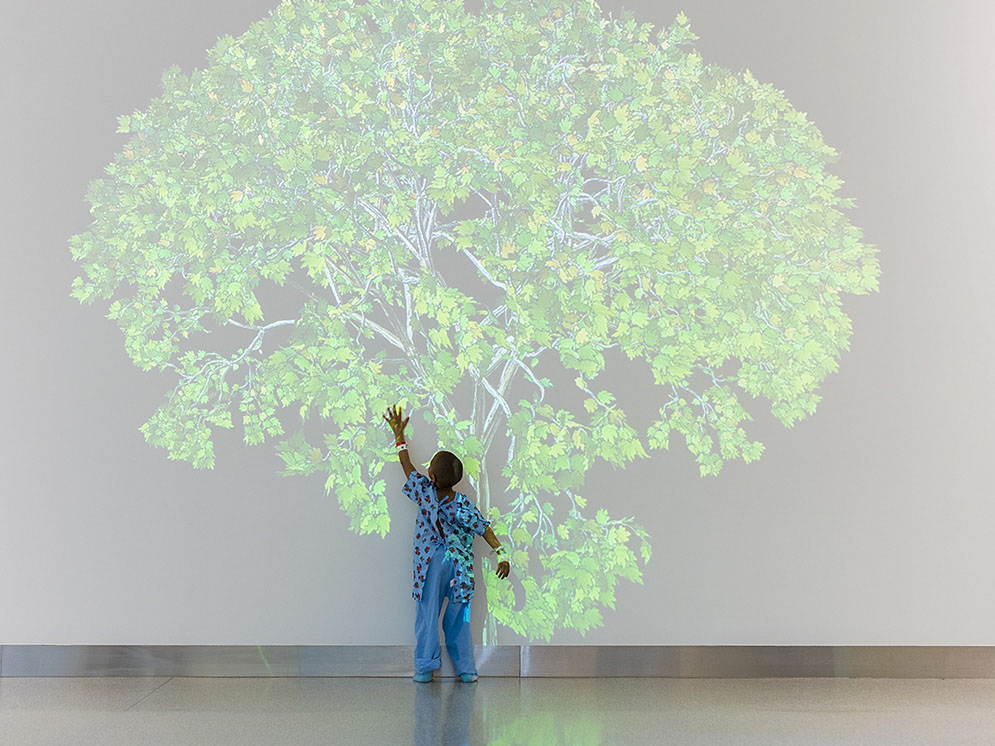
(113, 711)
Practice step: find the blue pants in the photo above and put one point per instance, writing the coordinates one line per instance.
(455, 623)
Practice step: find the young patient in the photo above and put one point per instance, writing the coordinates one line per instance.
(443, 557)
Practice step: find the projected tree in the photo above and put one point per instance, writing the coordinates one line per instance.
(616, 192)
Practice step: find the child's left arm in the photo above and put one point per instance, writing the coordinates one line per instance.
(474, 521)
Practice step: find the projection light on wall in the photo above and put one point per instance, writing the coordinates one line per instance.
(604, 185)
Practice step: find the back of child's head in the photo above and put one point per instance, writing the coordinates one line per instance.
(447, 469)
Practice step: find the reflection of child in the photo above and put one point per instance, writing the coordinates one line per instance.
(443, 557)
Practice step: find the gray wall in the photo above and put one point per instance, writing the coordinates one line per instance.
(868, 523)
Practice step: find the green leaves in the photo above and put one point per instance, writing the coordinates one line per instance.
(630, 197)
(582, 566)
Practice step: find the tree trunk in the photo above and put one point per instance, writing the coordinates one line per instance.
(484, 495)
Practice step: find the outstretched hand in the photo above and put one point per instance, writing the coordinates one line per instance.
(393, 418)
(504, 567)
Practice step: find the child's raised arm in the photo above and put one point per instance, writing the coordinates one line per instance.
(393, 418)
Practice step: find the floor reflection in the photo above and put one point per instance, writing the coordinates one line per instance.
(496, 711)
(444, 712)
(456, 714)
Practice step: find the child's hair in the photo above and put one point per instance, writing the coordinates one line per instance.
(448, 469)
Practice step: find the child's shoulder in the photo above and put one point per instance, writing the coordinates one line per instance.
(466, 500)
(416, 482)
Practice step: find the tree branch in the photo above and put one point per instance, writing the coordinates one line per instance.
(490, 424)
(483, 271)
(396, 231)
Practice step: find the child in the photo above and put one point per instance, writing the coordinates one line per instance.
(443, 557)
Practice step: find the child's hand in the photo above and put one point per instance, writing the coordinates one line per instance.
(393, 418)
(504, 567)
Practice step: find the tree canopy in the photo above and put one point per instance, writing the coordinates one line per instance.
(621, 193)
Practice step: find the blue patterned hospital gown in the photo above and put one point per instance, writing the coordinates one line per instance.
(458, 520)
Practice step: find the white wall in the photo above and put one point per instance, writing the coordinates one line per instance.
(868, 523)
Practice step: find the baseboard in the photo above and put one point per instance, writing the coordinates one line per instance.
(669, 661)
